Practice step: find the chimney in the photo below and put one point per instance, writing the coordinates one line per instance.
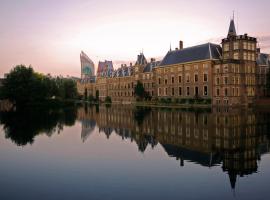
(152, 60)
(181, 44)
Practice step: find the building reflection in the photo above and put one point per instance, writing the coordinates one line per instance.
(232, 138)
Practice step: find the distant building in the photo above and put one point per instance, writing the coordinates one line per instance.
(233, 73)
(105, 68)
(87, 66)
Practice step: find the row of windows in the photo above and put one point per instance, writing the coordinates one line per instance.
(180, 68)
(246, 45)
(174, 91)
(235, 92)
(118, 86)
(235, 80)
(188, 80)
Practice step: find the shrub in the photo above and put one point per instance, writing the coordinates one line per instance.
(108, 99)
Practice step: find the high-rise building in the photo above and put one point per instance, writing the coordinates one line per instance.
(87, 66)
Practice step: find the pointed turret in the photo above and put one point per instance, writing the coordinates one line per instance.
(232, 30)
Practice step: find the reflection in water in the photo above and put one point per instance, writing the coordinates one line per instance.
(234, 139)
(22, 126)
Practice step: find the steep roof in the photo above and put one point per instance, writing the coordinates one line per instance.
(232, 30)
(149, 67)
(192, 54)
(141, 60)
(263, 59)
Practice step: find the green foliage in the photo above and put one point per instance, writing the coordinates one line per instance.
(108, 99)
(97, 95)
(24, 86)
(91, 98)
(22, 126)
(139, 90)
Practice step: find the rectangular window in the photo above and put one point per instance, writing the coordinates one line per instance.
(159, 80)
(226, 47)
(245, 45)
(187, 91)
(205, 90)
(205, 77)
(225, 92)
(225, 69)
(172, 80)
(196, 78)
(165, 81)
(217, 92)
(166, 91)
(172, 91)
(187, 78)
(196, 91)
(180, 91)
(217, 80)
(235, 45)
(179, 79)
(236, 55)
(225, 80)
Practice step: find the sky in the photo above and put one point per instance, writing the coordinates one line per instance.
(49, 35)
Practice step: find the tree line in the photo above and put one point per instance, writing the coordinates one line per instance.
(23, 86)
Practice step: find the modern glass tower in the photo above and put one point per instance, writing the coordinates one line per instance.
(87, 66)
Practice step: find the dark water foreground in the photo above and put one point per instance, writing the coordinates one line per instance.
(124, 152)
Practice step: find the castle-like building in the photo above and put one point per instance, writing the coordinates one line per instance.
(233, 73)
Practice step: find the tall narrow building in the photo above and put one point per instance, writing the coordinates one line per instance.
(235, 74)
(87, 66)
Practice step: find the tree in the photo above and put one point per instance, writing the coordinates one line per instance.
(97, 95)
(22, 86)
(139, 90)
(108, 99)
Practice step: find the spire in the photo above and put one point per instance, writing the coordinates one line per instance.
(232, 30)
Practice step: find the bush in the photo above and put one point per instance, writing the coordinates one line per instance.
(182, 101)
(190, 101)
(91, 98)
(108, 99)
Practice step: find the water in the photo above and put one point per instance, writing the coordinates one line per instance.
(123, 152)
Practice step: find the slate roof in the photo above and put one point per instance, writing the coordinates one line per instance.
(192, 54)
(122, 71)
(149, 67)
(232, 30)
(141, 60)
(191, 155)
(263, 59)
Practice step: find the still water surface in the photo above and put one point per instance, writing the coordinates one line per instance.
(124, 152)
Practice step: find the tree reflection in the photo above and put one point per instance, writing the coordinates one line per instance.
(22, 126)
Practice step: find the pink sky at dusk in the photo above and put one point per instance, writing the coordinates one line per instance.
(50, 34)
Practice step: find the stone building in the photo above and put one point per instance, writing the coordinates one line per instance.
(233, 73)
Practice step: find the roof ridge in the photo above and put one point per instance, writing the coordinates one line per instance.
(208, 43)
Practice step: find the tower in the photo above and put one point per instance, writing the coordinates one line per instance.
(235, 74)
